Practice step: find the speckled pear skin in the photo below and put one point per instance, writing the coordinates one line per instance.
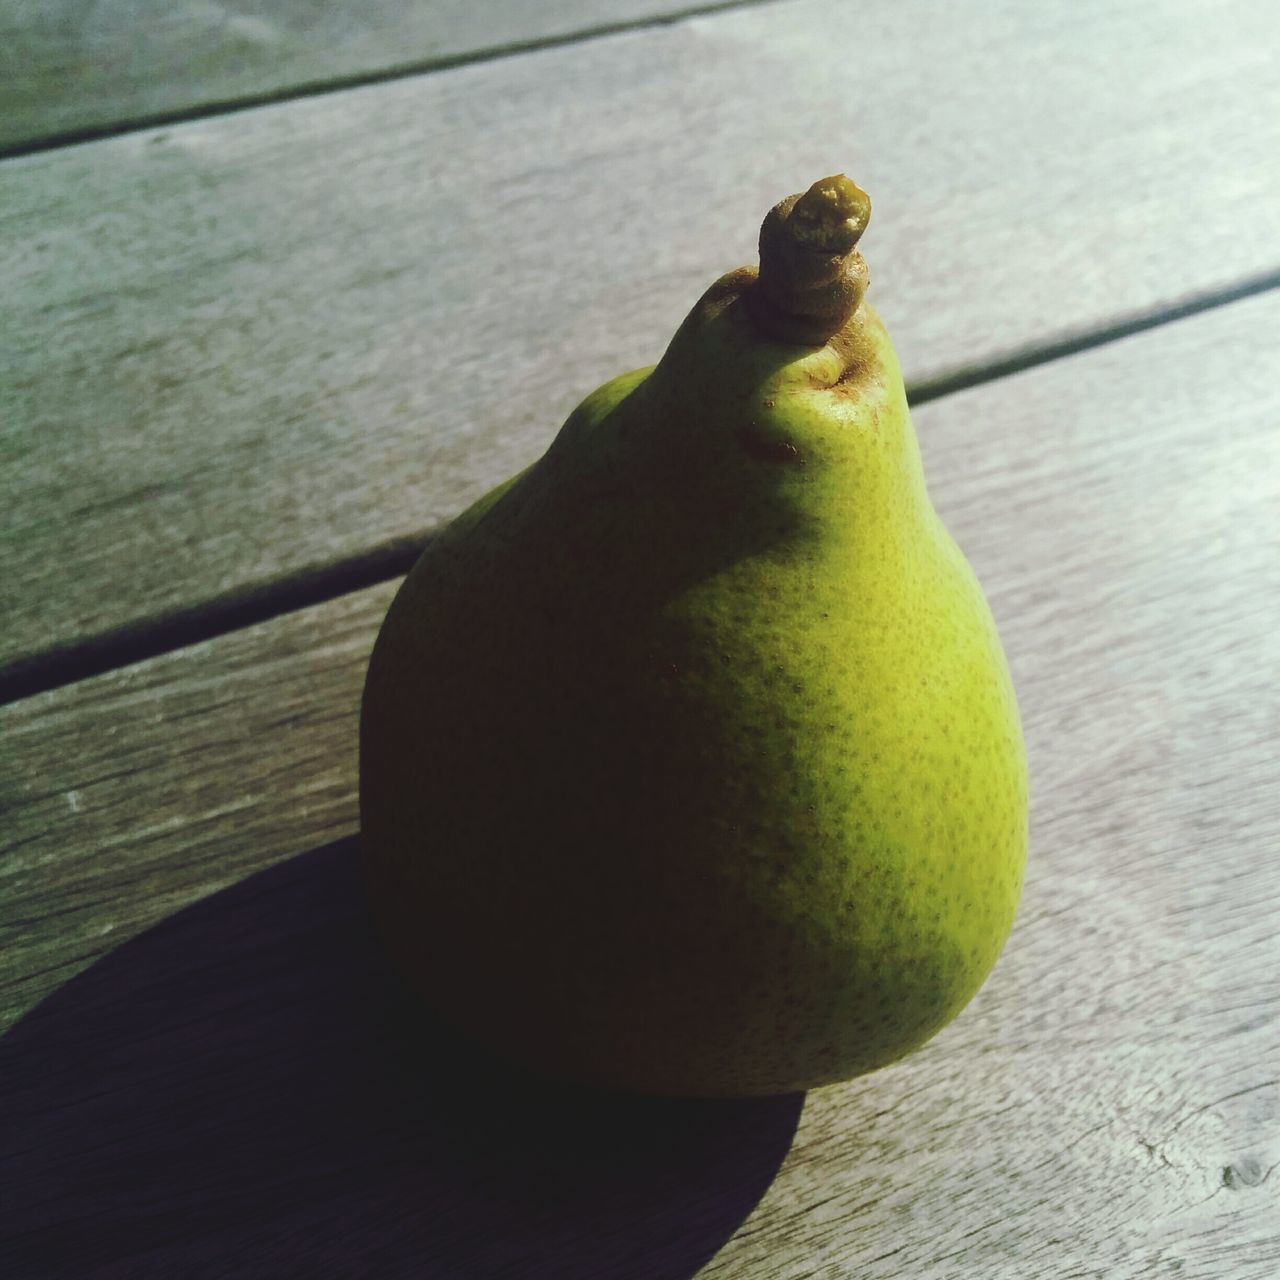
(690, 762)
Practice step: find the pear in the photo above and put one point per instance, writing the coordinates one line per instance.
(690, 762)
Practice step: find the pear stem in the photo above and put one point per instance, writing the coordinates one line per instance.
(812, 278)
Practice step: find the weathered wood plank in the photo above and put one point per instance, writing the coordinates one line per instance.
(248, 347)
(235, 1082)
(74, 68)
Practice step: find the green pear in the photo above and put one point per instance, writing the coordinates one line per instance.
(690, 762)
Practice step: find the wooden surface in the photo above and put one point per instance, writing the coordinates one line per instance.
(260, 367)
(70, 69)
(1109, 1105)
(356, 312)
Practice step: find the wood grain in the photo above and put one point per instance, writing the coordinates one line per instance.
(1108, 1106)
(74, 68)
(247, 349)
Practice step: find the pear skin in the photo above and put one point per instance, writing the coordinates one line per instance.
(690, 762)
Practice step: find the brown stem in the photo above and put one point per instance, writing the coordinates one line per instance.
(812, 277)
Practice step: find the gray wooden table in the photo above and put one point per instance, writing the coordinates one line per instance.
(285, 290)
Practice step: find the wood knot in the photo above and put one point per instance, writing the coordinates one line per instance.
(1247, 1172)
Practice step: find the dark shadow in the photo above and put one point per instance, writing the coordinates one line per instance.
(245, 1091)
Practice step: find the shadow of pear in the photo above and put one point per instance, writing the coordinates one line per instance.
(245, 1090)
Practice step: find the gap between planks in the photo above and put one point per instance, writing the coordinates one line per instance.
(360, 79)
(95, 655)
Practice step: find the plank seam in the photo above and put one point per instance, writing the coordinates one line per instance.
(364, 79)
(1071, 344)
(94, 655)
